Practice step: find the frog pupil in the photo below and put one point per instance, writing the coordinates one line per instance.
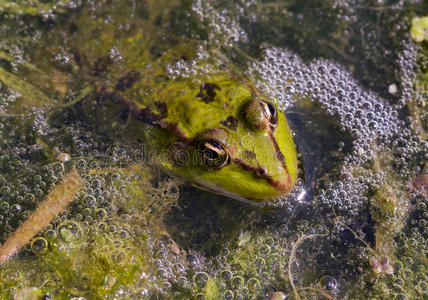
(213, 154)
(270, 112)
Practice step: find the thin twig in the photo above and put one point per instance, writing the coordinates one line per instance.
(293, 258)
(319, 290)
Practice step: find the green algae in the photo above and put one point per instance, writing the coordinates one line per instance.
(90, 260)
(35, 7)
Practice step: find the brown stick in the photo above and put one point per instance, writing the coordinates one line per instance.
(57, 200)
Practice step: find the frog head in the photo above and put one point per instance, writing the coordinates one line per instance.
(217, 133)
(223, 136)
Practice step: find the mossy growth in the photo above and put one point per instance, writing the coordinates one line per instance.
(100, 253)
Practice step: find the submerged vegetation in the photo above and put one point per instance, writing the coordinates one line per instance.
(356, 225)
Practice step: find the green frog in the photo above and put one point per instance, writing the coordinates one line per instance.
(218, 133)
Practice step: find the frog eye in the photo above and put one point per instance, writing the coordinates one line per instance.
(213, 154)
(270, 113)
(259, 115)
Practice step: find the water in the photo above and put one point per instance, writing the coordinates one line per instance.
(357, 231)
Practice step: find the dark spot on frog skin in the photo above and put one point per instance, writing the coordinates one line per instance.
(146, 115)
(260, 172)
(160, 48)
(207, 92)
(231, 122)
(156, 52)
(79, 57)
(127, 81)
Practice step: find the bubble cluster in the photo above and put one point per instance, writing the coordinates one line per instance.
(408, 67)
(364, 114)
(222, 27)
(193, 68)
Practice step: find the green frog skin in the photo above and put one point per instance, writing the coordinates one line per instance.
(217, 133)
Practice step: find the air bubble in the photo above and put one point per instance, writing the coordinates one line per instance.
(50, 234)
(226, 275)
(264, 249)
(16, 208)
(69, 231)
(237, 281)
(178, 268)
(228, 295)
(90, 200)
(39, 245)
(265, 276)
(100, 213)
(192, 259)
(4, 191)
(253, 284)
(29, 198)
(329, 283)
(162, 273)
(201, 279)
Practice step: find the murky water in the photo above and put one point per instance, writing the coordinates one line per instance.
(352, 229)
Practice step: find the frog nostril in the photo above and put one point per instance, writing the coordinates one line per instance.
(260, 171)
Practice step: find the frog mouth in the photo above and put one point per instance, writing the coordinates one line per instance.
(216, 189)
(260, 172)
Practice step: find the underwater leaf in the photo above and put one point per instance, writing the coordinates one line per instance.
(30, 95)
(26, 65)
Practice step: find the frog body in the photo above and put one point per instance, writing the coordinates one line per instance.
(217, 133)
